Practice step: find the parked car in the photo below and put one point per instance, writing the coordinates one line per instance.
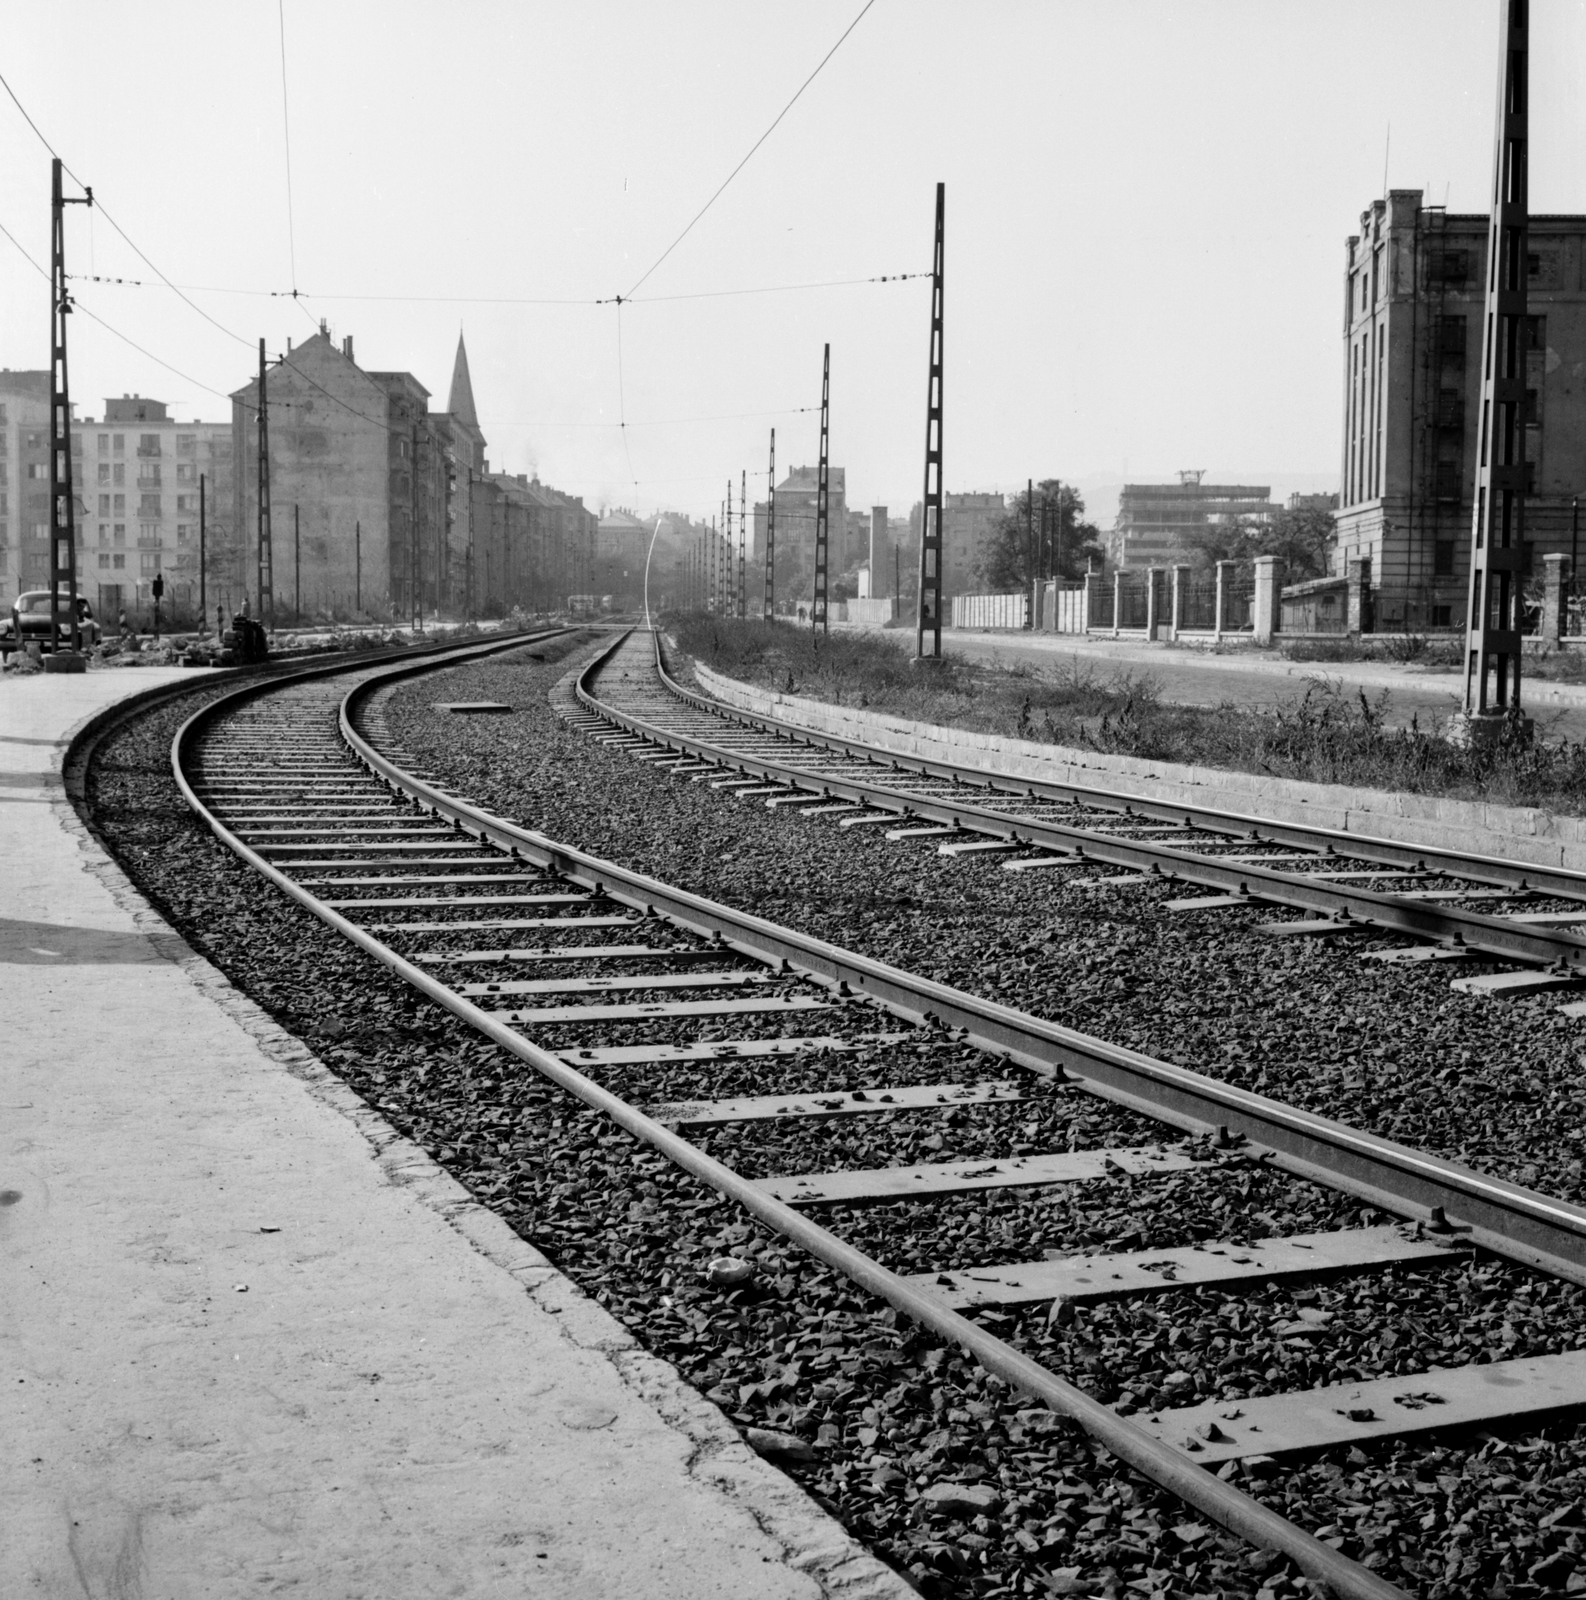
(29, 622)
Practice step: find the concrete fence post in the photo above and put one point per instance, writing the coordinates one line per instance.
(1117, 599)
(1180, 581)
(1220, 615)
(1357, 575)
(1151, 618)
(1552, 600)
(1267, 610)
(1036, 596)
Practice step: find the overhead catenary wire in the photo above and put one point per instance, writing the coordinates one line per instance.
(863, 10)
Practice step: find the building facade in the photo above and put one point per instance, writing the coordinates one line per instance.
(1414, 280)
(968, 522)
(795, 532)
(139, 477)
(1155, 519)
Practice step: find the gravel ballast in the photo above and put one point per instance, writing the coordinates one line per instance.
(888, 1415)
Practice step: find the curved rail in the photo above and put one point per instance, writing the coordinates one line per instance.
(906, 995)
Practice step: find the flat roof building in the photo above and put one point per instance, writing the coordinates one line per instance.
(1413, 304)
(1155, 519)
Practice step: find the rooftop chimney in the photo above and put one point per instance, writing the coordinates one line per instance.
(346, 347)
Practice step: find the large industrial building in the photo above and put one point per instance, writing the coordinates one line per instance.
(1414, 280)
(1155, 519)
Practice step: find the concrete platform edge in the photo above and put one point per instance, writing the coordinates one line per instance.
(811, 1540)
(1513, 833)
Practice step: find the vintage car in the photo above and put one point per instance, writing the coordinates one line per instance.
(29, 623)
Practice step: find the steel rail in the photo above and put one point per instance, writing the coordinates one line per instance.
(1225, 1504)
(1495, 870)
(1536, 945)
(1519, 1224)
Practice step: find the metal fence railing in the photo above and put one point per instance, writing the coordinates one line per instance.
(1198, 603)
(1134, 599)
(1101, 607)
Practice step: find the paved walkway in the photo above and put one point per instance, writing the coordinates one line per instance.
(251, 1341)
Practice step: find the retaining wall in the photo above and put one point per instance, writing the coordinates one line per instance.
(1514, 833)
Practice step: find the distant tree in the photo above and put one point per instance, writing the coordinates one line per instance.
(1014, 554)
(1302, 538)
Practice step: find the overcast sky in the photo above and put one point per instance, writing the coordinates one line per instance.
(1146, 211)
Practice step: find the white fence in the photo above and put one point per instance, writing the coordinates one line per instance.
(1064, 608)
(991, 610)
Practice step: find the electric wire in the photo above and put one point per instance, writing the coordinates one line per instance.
(103, 210)
(286, 135)
(755, 146)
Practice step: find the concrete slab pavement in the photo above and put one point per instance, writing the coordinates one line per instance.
(251, 1339)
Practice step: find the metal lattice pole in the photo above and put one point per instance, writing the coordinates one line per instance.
(726, 538)
(928, 624)
(265, 552)
(743, 542)
(770, 535)
(64, 631)
(1492, 659)
(822, 532)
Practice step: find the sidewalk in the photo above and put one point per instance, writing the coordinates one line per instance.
(253, 1341)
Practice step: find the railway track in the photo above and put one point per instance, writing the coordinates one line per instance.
(609, 984)
(1452, 905)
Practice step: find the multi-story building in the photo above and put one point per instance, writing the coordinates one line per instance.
(139, 477)
(795, 531)
(1414, 279)
(1155, 519)
(968, 524)
(25, 481)
(622, 542)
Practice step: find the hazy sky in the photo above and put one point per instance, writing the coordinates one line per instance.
(1146, 211)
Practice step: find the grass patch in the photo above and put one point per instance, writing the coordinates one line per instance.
(1328, 735)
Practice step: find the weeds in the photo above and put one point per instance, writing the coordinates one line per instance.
(1327, 735)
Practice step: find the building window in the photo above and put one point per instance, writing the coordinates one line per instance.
(184, 532)
(38, 469)
(119, 504)
(186, 472)
(1442, 616)
(118, 473)
(184, 502)
(186, 444)
(148, 444)
(148, 532)
(149, 561)
(104, 528)
(77, 444)
(1443, 558)
(35, 441)
(104, 561)
(104, 443)
(120, 534)
(149, 506)
(118, 563)
(104, 505)
(104, 472)
(118, 442)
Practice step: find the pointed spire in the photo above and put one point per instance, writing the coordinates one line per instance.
(461, 402)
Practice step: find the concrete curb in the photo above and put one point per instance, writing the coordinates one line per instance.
(811, 1540)
(1513, 833)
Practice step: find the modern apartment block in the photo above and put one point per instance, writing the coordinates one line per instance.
(137, 475)
(1414, 280)
(1155, 519)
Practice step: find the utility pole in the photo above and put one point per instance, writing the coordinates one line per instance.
(770, 535)
(822, 532)
(297, 568)
(357, 567)
(65, 634)
(416, 603)
(203, 592)
(1492, 646)
(265, 554)
(743, 541)
(726, 533)
(928, 621)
